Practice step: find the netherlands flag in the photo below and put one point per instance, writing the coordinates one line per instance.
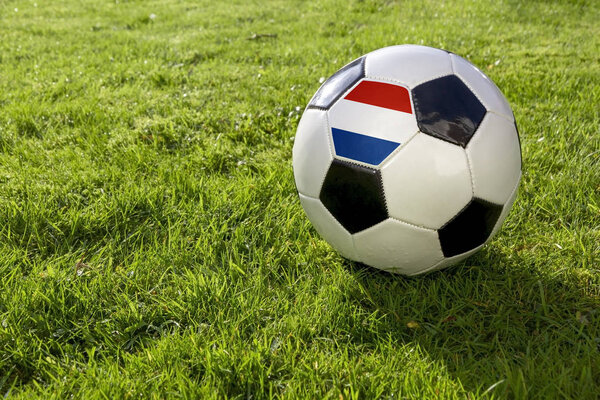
(371, 121)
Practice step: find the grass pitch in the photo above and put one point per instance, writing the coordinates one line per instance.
(152, 244)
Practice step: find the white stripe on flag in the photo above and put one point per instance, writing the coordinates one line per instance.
(378, 122)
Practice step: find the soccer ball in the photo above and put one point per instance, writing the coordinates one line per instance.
(407, 159)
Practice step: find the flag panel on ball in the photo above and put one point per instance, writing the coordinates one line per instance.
(372, 121)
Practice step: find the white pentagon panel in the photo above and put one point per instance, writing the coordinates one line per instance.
(427, 182)
(328, 227)
(505, 211)
(398, 247)
(483, 87)
(371, 121)
(311, 154)
(495, 159)
(408, 64)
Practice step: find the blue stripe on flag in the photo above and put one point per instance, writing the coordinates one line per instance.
(359, 147)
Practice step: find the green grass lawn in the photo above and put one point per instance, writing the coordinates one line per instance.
(152, 243)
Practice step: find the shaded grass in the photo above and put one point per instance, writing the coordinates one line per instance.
(152, 243)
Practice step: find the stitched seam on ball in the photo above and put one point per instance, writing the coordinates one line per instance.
(490, 80)
(474, 140)
(331, 150)
(310, 197)
(431, 79)
(475, 250)
(413, 225)
(509, 119)
(380, 181)
(514, 189)
(344, 94)
(355, 162)
(397, 150)
(500, 221)
(344, 229)
(467, 84)
(338, 224)
(329, 136)
(433, 267)
(387, 79)
(457, 214)
(313, 107)
(483, 103)
(471, 175)
(451, 62)
(474, 93)
(489, 203)
(413, 105)
(479, 98)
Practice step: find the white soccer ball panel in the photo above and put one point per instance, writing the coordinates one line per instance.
(408, 64)
(398, 247)
(328, 227)
(483, 87)
(495, 158)
(427, 182)
(311, 154)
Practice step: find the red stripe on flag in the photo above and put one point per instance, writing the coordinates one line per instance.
(381, 94)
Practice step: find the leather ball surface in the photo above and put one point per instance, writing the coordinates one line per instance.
(407, 159)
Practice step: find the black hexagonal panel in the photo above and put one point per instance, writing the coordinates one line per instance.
(337, 84)
(469, 228)
(354, 195)
(447, 109)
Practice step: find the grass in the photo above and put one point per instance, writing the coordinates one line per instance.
(152, 244)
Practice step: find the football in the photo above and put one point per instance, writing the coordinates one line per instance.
(407, 159)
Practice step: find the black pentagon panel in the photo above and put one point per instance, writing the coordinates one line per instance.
(447, 109)
(337, 84)
(470, 228)
(354, 195)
